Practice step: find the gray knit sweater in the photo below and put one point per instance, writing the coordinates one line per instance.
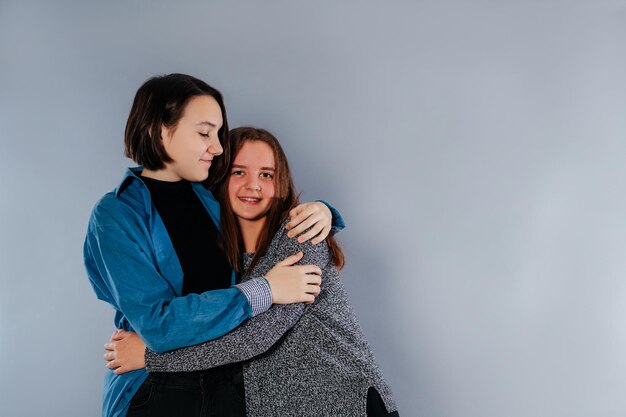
(300, 360)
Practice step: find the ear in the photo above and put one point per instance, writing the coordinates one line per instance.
(150, 132)
(165, 132)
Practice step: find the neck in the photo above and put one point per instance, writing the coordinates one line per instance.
(250, 232)
(161, 175)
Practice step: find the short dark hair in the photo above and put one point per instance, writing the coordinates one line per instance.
(161, 101)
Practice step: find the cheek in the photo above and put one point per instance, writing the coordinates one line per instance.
(232, 191)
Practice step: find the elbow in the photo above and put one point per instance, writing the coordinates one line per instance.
(154, 333)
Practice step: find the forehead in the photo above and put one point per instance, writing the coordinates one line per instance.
(203, 109)
(255, 154)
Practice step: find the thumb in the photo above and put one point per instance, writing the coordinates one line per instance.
(116, 334)
(290, 260)
(119, 335)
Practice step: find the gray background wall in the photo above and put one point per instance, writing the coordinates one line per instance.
(476, 150)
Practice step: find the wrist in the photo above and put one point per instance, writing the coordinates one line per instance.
(259, 294)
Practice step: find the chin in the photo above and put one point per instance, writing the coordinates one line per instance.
(251, 217)
(199, 177)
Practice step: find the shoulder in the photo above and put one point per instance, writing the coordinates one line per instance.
(106, 208)
(283, 246)
(113, 211)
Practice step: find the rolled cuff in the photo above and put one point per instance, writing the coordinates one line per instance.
(258, 293)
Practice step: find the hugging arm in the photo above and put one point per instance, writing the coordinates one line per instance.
(123, 273)
(256, 335)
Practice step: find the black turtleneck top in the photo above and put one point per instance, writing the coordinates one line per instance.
(193, 235)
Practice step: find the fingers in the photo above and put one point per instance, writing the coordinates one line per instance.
(294, 213)
(311, 221)
(294, 283)
(322, 236)
(313, 290)
(110, 345)
(290, 260)
(301, 213)
(314, 280)
(309, 269)
(109, 356)
(119, 334)
(303, 223)
(311, 233)
(119, 371)
(117, 367)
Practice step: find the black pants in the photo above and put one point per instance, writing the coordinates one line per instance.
(375, 405)
(214, 393)
(218, 392)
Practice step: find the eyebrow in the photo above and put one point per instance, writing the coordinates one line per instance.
(205, 123)
(262, 168)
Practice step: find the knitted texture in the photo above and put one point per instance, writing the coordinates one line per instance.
(301, 360)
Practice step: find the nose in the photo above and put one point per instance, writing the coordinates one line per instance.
(215, 147)
(253, 184)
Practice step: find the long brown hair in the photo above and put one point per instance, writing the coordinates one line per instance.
(285, 198)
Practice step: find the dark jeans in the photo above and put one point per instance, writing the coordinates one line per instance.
(217, 392)
(375, 405)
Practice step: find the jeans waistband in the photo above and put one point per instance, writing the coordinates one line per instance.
(227, 374)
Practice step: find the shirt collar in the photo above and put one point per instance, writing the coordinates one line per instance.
(133, 175)
(130, 175)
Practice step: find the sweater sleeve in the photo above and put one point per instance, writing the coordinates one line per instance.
(256, 335)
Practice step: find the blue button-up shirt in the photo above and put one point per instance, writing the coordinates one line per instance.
(132, 265)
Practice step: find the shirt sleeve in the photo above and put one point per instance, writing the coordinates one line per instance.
(123, 272)
(256, 335)
(259, 294)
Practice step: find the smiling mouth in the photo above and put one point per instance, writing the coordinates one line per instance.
(249, 200)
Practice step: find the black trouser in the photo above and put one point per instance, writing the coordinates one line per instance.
(375, 405)
(218, 392)
(213, 393)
